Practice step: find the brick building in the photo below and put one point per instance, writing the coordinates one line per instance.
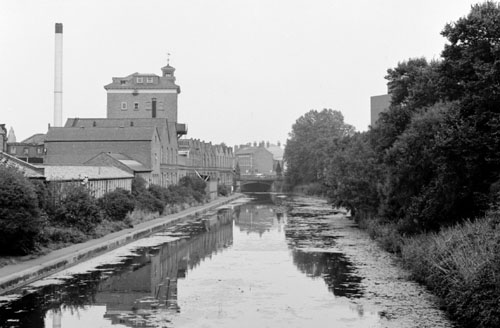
(140, 95)
(213, 161)
(77, 145)
(138, 105)
(30, 150)
(254, 160)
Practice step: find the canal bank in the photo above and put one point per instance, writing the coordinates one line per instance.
(16, 275)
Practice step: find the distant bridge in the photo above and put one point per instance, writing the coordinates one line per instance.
(259, 183)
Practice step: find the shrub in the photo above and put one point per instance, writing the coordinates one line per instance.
(78, 209)
(196, 185)
(161, 193)
(20, 221)
(116, 204)
(148, 202)
(179, 194)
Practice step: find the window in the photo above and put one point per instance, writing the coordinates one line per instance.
(140, 80)
(26, 151)
(149, 80)
(124, 105)
(39, 150)
(136, 106)
(123, 82)
(12, 149)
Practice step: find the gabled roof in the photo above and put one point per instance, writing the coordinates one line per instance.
(119, 160)
(29, 170)
(251, 150)
(58, 172)
(277, 152)
(101, 134)
(38, 138)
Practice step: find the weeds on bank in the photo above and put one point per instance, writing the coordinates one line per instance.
(460, 264)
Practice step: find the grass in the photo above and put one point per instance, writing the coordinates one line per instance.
(460, 264)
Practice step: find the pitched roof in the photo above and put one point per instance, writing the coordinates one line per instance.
(277, 152)
(101, 134)
(38, 138)
(29, 170)
(250, 150)
(78, 172)
(129, 162)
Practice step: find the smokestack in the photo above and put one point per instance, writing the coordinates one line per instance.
(58, 76)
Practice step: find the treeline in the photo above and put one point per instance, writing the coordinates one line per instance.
(32, 219)
(431, 162)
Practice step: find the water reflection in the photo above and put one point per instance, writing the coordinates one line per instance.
(158, 285)
(131, 291)
(263, 214)
(334, 268)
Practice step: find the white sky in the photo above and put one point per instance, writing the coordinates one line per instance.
(247, 69)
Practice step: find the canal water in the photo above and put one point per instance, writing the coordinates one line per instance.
(269, 260)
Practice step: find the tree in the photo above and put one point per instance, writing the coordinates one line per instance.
(20, 221)
(306, 149)
(353, 175)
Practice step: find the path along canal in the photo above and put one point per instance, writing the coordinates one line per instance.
(272, 261)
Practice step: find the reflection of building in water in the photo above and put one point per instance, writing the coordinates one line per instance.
(151, 284)
(334, 268)
(259, 218)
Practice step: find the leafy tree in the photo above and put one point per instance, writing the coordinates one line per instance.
(20, 221)
(306, 149)
(353, 175)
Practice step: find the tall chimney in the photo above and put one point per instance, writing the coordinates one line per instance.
(58, 76)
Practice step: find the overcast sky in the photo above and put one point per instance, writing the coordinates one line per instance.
(247, 69)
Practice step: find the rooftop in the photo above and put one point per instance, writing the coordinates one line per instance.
(58, 172)
(100, 134)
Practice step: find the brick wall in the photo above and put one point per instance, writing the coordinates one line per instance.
(166, 105)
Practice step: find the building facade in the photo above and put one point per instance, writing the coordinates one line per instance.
(255, 160)
(78, 145)
(140, 95)
(30, 150)
(378, 104)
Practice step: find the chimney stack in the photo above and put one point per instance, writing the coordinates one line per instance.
(58, 76)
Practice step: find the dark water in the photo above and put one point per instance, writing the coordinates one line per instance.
(269, 262)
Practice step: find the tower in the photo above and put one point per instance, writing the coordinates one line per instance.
(141, 95)
(58, 75)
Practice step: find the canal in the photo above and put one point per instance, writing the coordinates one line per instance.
(269, 260)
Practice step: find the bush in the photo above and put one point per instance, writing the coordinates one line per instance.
(78, 209)
(148, 202)
(20, 221)
(179, 194)
(116, 204)
(196, 187)
(161, 193)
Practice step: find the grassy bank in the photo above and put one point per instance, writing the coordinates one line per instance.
(460, 264)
